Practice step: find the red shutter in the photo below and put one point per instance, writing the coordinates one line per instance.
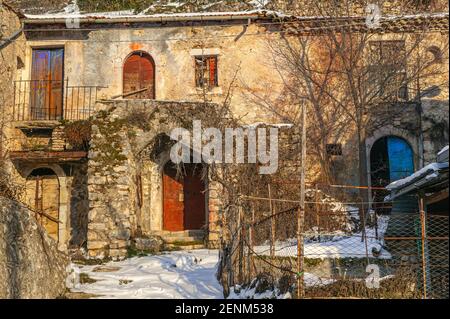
(212, 71)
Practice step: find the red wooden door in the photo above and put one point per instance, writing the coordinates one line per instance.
(139, 76)
(184, 199)
(46, 87)
(194, 199)
(173, 204)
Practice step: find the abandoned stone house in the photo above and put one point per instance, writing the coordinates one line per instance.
(117, 69)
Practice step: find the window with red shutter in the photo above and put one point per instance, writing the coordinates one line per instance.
(206, 71)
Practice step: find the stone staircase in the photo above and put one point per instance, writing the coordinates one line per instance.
(182, 240)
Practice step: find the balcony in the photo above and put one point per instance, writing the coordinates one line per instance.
(53, 100)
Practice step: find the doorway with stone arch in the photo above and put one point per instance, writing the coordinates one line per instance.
(391, 159)
(43, 196)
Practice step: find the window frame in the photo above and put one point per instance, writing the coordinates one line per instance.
(334, 149)
(200, 80)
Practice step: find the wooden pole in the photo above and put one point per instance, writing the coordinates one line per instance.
(272, 226)
(241, 245)
(317, 211)
(250, 244)
(364, 234)
(301, 213)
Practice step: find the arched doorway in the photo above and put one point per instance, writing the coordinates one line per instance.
(42, 192)
(391, 159)
(183, 198)
(139, 76)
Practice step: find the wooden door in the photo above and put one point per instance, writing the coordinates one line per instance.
(183, 199)
(46, 87)
(194, 198)
(173, 200)
(139, 76)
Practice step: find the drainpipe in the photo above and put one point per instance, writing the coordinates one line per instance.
(419, 111)
(421, 147)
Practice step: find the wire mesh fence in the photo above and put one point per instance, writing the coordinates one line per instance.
(340, 251)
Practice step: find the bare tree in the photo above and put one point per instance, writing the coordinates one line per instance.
(354, 78)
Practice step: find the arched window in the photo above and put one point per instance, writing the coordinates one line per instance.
(139, 76)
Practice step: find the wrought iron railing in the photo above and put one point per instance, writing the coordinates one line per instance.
(53, 100)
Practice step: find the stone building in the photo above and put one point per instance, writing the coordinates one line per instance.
(102, 74)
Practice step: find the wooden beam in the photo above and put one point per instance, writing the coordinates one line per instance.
(436, 197)
(46, 156)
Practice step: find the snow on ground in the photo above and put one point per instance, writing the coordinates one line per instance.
(177, 275)
(339, 246)
(250, 293)
(310, 280)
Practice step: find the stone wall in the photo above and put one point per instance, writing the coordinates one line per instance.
(11, 61)
(31, 266)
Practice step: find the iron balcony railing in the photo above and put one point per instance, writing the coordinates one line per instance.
(53, 100)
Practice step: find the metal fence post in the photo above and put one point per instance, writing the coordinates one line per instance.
(423, 239)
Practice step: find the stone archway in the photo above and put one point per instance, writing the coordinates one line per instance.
(411, 139)
(165, 189)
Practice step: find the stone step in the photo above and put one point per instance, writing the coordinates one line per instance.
(185, 247)
(176, 239)
(185, 233)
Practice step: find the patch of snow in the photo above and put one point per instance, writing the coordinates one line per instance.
(260, 4)
(72, 8)
(339, 246)
(237, 292)
(310, 280)
(176, 275)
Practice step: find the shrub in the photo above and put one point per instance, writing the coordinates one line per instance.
(78, 134)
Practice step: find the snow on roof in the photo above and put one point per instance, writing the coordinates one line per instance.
(428, 172)
(429, 175)
(71, 13)
(442, 151)
(130, 14)
(276, 125)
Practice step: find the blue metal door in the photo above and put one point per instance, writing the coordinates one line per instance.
(401, 160)
(401, 165)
